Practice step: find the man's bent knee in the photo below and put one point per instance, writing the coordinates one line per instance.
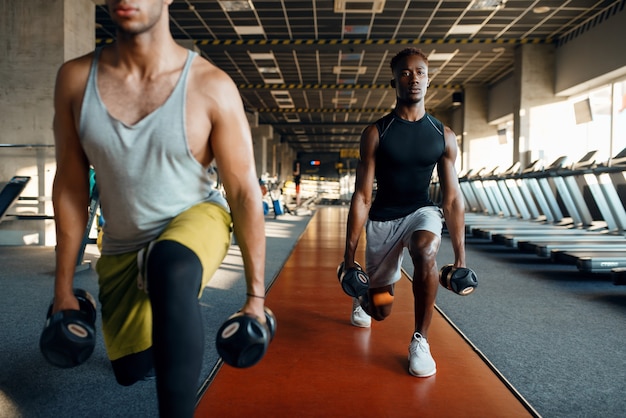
(132, 368)
(424, 245)
(378, 302)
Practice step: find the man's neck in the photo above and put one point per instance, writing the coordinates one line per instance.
(147, 55)
(411, 113)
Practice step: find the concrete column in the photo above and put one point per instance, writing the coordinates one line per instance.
(534, 86)
(475, 123)
(261, 136)
(285, 156)
(37, 37)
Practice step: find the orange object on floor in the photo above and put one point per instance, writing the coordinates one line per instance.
(319, 365)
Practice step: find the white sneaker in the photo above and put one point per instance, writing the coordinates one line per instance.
(421, 362)
(359, 318)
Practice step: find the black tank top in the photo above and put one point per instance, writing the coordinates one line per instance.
(406, 156)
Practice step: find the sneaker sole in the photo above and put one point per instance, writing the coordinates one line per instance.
(431, 373)
(356, 324)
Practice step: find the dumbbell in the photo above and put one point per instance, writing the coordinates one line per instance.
(69, 336)
(242, 340)
(354, 281)
(461, 280)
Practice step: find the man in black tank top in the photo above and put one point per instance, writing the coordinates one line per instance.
(400, 152)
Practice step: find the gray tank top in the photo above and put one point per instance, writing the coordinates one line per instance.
(146, 174)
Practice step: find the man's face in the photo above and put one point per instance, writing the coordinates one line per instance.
(411, 79)
(134, 17)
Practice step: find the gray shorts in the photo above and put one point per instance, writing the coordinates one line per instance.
(386, 241)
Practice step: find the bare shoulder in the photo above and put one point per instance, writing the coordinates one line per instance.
(448, 132)
(72, 75)
(370, 133)
(449, 137)
(369, 142)
(212, 82)
(76, 66)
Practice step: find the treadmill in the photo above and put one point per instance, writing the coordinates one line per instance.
(609, 204)
(579, 220)
(515, 200)
(603, 257)
(487, 205)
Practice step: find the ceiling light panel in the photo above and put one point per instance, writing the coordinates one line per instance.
(240, 14)
(359, 6)
(487, 4)
(236, 5)
(464, 29)
(267, 66)
(249, 30)
(441, 56)
(349, 70)
(283, 99)
(292, 117)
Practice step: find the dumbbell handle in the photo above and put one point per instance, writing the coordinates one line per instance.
(79, 300)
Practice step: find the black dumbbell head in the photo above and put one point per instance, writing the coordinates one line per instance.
(461, 281)
(68, 339)
(354, 281)
(242, 340)
(69, 336)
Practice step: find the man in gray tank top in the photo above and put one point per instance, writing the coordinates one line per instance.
(151, 116)
(400, 152)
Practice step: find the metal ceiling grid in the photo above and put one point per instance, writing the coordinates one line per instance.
(334, 66)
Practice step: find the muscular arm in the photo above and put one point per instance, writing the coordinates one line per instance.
(70, 193)
(231, 143)
(453, 205)
(362, 196)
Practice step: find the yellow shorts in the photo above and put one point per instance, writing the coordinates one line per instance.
(126, 312)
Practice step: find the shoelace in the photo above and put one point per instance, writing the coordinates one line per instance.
(421, 344)
(359, 310)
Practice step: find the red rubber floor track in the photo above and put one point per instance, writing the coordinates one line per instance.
(319, 365)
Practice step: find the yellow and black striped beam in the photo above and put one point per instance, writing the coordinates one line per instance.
(322, 125)
(321, 110)
(367, 42)
(295, 86)
(330, 45)
(325, 135)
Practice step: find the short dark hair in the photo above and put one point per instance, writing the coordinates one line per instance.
(405, 53)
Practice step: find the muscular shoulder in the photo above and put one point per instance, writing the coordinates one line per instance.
(450, 144)
(369, 142)
(72, 75)
(449, 136)
(211, 83)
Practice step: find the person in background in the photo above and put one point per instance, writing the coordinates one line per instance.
(297, 176)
